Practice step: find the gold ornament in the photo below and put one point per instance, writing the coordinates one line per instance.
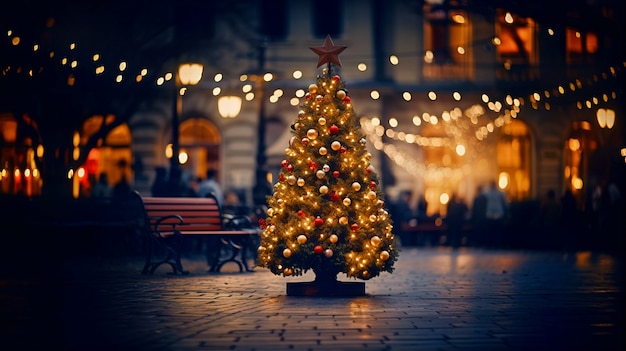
(300, 182)
(301, 239)
(291, 179)
(323, 151)
(321, 121)
(335, 145)
(356, 186)
(347, 201)
(341, 94)
(375, 240)
(333, 238)
(323, 189)
(287, 253)
(328, 253)
(320, 174)
(313, 88)
(384, 255)
(371, 195)
(312, 134)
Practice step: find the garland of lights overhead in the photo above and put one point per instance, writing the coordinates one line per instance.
(535, 99)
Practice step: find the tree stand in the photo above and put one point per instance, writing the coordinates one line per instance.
(326, 284)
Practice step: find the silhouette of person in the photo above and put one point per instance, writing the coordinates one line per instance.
(101, 190)
(497, 208)
(159, 186)
(402, 214)
(210, 186)
(455, 219)
(550, 217)
(479, 210)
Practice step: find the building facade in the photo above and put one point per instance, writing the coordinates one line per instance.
(453, 94)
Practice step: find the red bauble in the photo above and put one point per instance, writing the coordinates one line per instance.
(346, 100)
(281, 177)
(343, 150)
(301, 214)
(313, 165)
(307, 96)
(318, 221)
(354, 227)
(284, 163)
(318, 250)
(336, 174)
(373, 184)
(333, 129)
(262, 223)
(336, 78)
(290, 168)
(334, 197)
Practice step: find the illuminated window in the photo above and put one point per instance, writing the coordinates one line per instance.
(18, 152)
(513, 160)
(577, 53)
(577, 149)
(516, 46)
(112, 154)
(447, 48)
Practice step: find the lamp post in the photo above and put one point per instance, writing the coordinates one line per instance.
(261, 187)
(188, 74)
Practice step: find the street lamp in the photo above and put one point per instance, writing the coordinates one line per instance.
(605, 117)
(188, 74)
(229, 106)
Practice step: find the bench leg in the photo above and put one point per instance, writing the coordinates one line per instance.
(171, 246)
(238, 245)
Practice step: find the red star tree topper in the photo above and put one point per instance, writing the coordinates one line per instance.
(327, 212)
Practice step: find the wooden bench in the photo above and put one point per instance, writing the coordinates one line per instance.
(171, 218)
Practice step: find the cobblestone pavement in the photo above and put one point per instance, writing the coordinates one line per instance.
(437, 299)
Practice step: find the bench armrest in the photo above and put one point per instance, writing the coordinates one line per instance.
(170, 220)
(235, 222)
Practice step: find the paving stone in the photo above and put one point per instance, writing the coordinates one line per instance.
(436, 299)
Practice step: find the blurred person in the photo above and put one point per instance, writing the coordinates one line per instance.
(210, 186)
(121, 190)
(422, 207)
(159, 186)
(191, 185)
(455, 219)
(550, 213)
(102, 190)
(478, 212)
(571, 220)
(402, 214)
(495, 214)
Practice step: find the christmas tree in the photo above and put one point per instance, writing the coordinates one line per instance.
(327, 212)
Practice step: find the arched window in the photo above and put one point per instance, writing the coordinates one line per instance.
(112, 155)
(513, 160)
(19, 147)
(443, 168)
(578, 147)
(200, 142)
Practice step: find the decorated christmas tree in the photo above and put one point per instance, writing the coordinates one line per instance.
(327, 212)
